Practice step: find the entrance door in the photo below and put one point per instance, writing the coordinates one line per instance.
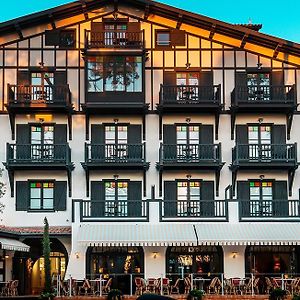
(259, 142)
(261, 198)
(187, 83)
(42, 140)
(42, 85)
(116, 142)
(187, 142)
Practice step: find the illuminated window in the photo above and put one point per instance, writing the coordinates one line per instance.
(116, 196)
(258, 86)
(41, 195)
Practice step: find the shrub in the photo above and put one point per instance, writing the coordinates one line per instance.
(277, 294)
(195, 293)
(114, 294)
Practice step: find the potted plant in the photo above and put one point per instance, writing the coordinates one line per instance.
(114, 294)
(195, 294)
(278, 294)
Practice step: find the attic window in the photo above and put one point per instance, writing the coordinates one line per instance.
(163, 38)
(65, 38)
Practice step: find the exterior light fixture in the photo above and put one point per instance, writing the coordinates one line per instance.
(154, 253)
(77, 255)
(6, 256)
(262, 177)
(234, 254)
(116, 121)
(116, 176)
(187, 65)
(188, 120)
(260, 120)
(188, 176)
(115, 15)
(259, 66)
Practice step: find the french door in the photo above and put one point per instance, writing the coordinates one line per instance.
(42, 140)
(187, 83)
(115, 34)
(261, 198)
(259, 142)
(116, 140)
(187, 137)
(42, 85)
(258, 86)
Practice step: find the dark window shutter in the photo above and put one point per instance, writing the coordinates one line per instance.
(135, 199)
(177, 37)
(97, 35)
(243, 196)
(280, 205)
(242, 138)
(134, 140)
(206, 81)
(60, 195)
(241, 89)
(170, 199)
(134, 29)
(207, 207)
(98, 141)
(169, 139)
(97, 199)
(23, 78)
(279, 141)
(60, 141)
(22, 195)
(205, 139)
(52, 37)
(23, 141)
(60, 90)
(277, 91)
(169, 78)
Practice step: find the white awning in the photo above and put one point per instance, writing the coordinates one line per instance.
(11, 244)
(248, 234)
(137, 235)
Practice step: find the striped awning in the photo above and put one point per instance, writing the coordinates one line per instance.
(137, 235)
(248, 234)
(11, 244)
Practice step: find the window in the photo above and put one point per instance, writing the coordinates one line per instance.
(115, 74)
(261, 196)
(41, 195)
(163, 38)
(67, 38)
(258, 86)
(115, 34)
(188, 195)
(116, 196)
(42, 86)
(260, 142)
(116, 141)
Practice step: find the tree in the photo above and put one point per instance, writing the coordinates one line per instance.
(46, 254)
(2, 192)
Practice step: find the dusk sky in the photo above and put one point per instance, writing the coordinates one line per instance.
(280, 19)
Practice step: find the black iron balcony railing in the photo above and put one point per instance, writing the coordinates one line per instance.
(39, 94)
(269, 209)
(190, 94)
(114, 39)
(34, 154)
(123, 209)
(264, 95)
(190, 153)
(264, 153)
(194, 209)
(115, 153)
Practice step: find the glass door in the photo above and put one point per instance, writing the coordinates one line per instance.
(116, 142)
(42, 140)
(258, 86)
(115, 34)
(261, 196)
(187, 83)
(259, 142)
(42, 86)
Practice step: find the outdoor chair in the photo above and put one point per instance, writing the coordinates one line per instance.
(214, 286)
(86, 287)
(139, 286)
(107, 286)
(151, 285)
(228, 287)
(6, 289)
(165, 286)
(248, 286)
(158, 285)
(174, 289)
(14, 288)
(187, 285)
(269, 285)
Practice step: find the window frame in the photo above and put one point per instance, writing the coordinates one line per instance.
(162, 31)
(64, 31)
(41, 209)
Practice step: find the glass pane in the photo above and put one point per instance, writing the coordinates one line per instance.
(35, 203)
(48, 193)
(95, 75)
(133, 78)
(48, 203)
(114, 74)
(163, 38)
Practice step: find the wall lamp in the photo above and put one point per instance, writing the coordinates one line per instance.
(234, 254)
(187, 65)
(77, 255)
(154, 254)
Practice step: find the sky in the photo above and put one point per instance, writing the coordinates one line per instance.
(279, 18)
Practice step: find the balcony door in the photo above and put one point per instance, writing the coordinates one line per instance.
(42, 140)
(259, 142)
(42, 85)
(258, 86)
(116, 139)
(187, 83)
(115, 34)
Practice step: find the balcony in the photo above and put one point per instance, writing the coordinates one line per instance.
(129, 210)
(259, 156)
(190, 156)
(25, 99)
(269, 210)
(264, 99)
(203, 210)
(115, 156)
(114, 40)
(37, 157)
(189, 98)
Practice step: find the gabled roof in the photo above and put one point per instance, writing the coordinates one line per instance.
(238, 32)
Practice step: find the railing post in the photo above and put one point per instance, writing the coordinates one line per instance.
(161, 284)
(70, 286)
(131, 283)
(192, 279)
(252, 287)
(100, 285)
(282, 282)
